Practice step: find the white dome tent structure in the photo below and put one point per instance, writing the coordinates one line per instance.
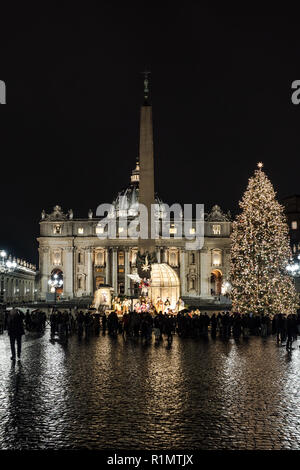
(165, 284)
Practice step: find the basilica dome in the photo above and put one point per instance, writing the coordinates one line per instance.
(127, 201)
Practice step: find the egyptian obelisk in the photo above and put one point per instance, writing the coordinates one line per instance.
(146, 159)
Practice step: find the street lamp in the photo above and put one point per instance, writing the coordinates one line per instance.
(8, 266)
(294, 268)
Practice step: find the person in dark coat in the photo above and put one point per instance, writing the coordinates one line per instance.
(289, 333)
(15, 330)
(213, 322)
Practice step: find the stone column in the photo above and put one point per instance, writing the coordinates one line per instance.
(127, 279)
(90, 277)
(158, 254)
(198, 261)
(165, 255)
(44, 254)
(205, 288)
(115, 270)
(107, 267)
(68, 272)
(182, 273)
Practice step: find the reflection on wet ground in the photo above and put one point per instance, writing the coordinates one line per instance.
(110, 393)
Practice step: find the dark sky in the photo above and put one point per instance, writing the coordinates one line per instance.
(221, 96)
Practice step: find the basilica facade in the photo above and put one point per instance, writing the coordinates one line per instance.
(74, 260)
(70, 250)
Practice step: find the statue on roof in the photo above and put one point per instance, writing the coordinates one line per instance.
(217, 215)
(56, 214)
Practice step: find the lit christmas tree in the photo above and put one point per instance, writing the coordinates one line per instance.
(260, 253)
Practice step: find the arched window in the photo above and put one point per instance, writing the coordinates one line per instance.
(192, 258)
(100, 258)
(192, 284)
(216, 282)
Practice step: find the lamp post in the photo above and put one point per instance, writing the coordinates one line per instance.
(3, 255)
(294, 268)
(6, 266)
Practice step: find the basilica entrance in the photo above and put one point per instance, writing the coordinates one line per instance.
(216, 282)
(56, 282)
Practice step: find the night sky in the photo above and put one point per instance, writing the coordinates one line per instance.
(221, 96)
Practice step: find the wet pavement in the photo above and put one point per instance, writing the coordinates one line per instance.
(106, 393)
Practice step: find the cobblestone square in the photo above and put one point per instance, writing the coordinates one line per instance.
(106, 393)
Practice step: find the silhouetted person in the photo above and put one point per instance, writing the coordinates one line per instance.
(104, 321)
(15, 330)
(289, 332)
(2, 320)
(213, 322)
(168, 329)
(28, 320)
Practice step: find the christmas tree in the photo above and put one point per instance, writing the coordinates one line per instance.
(260, 252)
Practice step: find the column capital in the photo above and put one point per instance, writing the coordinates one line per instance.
(68, 248)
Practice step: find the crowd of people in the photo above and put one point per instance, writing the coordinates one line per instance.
(186, 324)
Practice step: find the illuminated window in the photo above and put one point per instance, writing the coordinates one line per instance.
(173, 258)
(173, 230)
(216, 257)
(192, 231)
(121, 229)
(99, 281)
(216, 229)
(80, 230)
(57, 229)
(100, 258)
(99, 230)
(121, 258)
(294, 225)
